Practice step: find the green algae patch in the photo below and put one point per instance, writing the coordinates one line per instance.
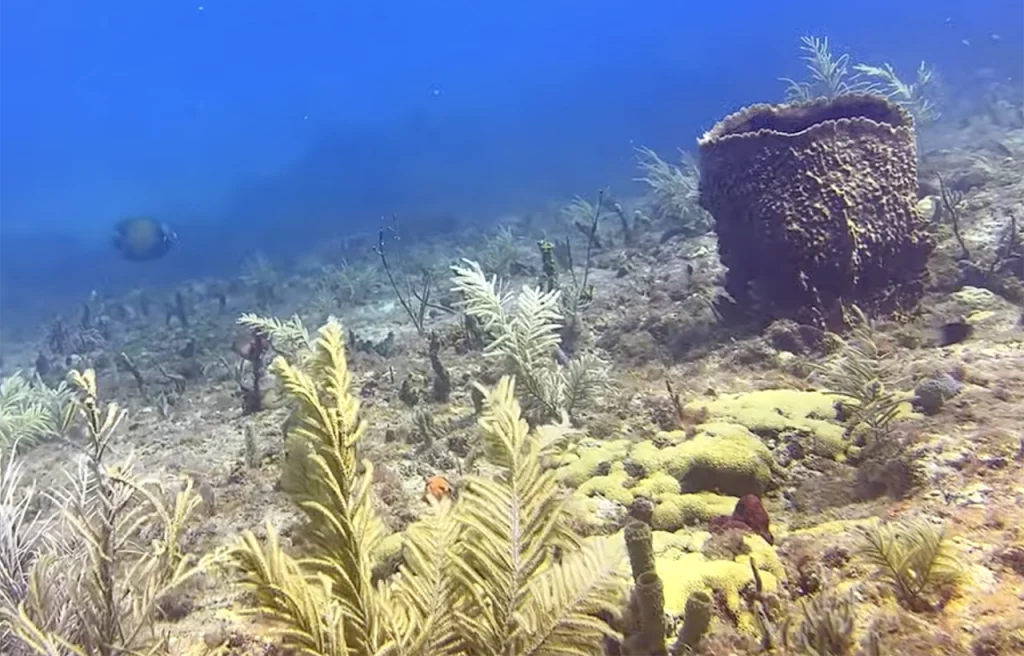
(781, 413)
(676, 511)
(590, 458)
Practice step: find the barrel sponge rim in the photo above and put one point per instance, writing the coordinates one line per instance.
(793, 119)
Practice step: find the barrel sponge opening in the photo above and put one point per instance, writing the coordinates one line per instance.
(795, 118)
(815, 207)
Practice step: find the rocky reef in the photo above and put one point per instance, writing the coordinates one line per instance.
(596, 463)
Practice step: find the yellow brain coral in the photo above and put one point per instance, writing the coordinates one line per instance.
(778, 412)
(725, 458)
(586, 460)
(684, 570)
(675, 511)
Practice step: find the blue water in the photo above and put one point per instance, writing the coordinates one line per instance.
(266, 125)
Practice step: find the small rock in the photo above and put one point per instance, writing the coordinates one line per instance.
(1001, 393)
(932, 393)
(1013, 558)
(790, 337)
(967, 180)
(976, 494)
(957, 459)
(996, 462)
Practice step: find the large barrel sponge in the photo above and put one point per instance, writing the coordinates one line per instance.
(815, 208)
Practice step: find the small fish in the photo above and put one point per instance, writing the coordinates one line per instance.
(954, 332)
(141, 239)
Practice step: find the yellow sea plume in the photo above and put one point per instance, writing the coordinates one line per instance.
(479, 576)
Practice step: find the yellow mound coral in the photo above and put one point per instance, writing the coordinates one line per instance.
(584, 460)
(684, 570)
(610, 486)
(724, 458)
(672, 511)
(777, 412)
(656, 484)
(675, 511)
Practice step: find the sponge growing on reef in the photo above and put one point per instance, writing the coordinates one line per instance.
(815, 206)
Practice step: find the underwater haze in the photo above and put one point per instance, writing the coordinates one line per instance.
(265, 126)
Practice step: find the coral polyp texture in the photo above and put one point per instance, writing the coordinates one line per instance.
(814, 206)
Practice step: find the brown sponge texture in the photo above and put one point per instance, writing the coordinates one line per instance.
(815, 207)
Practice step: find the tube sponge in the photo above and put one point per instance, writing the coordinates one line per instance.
(649, 592)
(650, 597)
(640, 546)
(696, 621)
